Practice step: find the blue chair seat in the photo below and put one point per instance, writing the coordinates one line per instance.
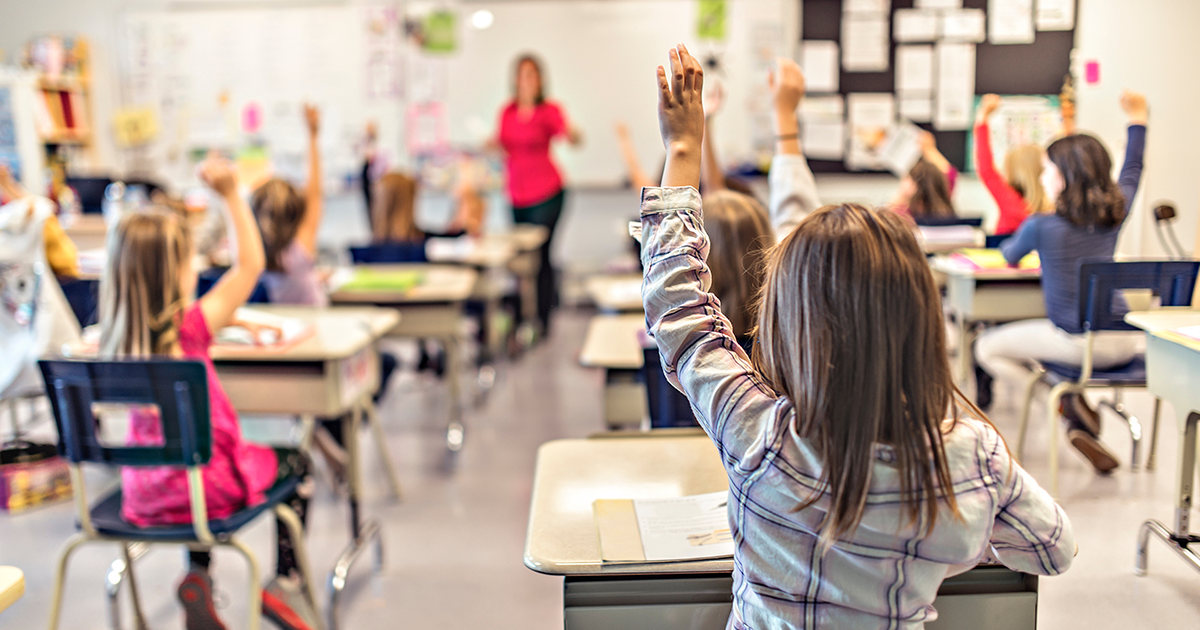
(106, 516)
(1131, 374)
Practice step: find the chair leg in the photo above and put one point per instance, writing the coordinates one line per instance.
(255, 591)
(296, 529)
(60, 579)
(1150, 458)
(1034, 379)
(381, 443)
(1056, 394)
(1135, 425)
(138, 616)
(112, 588)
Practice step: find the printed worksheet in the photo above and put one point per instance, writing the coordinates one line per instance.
(685, 528)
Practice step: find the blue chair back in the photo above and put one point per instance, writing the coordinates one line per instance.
(944, 221)
(992, 241)
(83, 296)
(208, 278)
(394, 252)
(178, 388)
(668, 406)
(1171, 280)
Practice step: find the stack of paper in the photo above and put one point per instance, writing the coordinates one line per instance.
(664, 530)
(269, 330)
(948, 237)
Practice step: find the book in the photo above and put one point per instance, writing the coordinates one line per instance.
(664, 530)
(993, 260)
(365, 279)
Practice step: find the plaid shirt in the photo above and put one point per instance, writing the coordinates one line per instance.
(883, 575)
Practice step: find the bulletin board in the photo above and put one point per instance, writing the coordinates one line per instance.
(1036, 68)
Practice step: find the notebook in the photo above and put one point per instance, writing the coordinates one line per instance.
(366, 279)
(664, 530)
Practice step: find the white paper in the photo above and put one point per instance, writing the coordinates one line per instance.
(914, 68)
(1010, 21)
(865, 44)
(917, 108)
(685, 528)
(823, 107)
(871, 116)
(902, 149)
(966, 25)
(1055, 15)
(955, 86)
(820, 66)
(915, 25)
(938, 4)
(824, 140)
(866, 6)
(289, 329)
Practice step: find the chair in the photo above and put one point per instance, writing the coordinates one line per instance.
(945, 221)
(1172, 282)
(669, 408)
(78, 390)
(382, 253)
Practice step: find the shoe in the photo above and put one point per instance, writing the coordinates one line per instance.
(1075, 409)
(1094, 450)
(283, 602)
(196, 595)
(983, 389)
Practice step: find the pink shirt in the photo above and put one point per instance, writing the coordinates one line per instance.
(236, 476)
(532, 175)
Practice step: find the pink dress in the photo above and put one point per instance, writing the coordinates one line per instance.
(532, 174)
(236, 476)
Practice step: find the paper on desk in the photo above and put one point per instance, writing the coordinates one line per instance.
(1192, 332)
(820, 66)
(279, 331)
(964, 25)
(955, 86)
(993, 260)
(914, 68)
(865, 44)
(1010, 21)
(915, 25)
(684, 528)
(1055, 15)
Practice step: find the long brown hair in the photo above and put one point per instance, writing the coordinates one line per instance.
(279, 208)
(740, 234)
(536, 62)
(1089, 197)
(850, 331)
(141, 299)
(393, 211)
(932, 195)
(1023, 170)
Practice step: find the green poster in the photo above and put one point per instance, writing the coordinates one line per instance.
(711, 21)
(440, 32)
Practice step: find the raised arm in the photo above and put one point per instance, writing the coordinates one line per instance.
(1134, 104)
(637, 177)
(793, 191)
(306, 233)
(712, 177)
(1020, 244)
(236, 285)
(1012, 206)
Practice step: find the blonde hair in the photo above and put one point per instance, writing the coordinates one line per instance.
(394, 212)
(278, 208)
(850, 331)
(1023, 170)
(739, 233)
(141, 300)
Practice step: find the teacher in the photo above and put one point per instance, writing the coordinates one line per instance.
(528, 125)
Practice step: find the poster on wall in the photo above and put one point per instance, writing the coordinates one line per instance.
(1021, 120)
(10, 155)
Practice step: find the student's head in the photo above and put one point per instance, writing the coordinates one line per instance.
(395, 209)
(740, 233)
(927, 191)
(1078, 180)
(148, 282)
(529, 84)
(279, 209)
(1023, 169)
(850, 330)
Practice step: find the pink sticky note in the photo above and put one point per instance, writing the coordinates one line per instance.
(251, 117)
(1091, 72)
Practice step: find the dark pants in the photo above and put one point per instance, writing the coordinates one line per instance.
(547, 214)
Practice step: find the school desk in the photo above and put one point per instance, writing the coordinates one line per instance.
(612, 344)
(430, 310)
(986, 295)
(619, 293)
(12, 586)
(87, 231)
(561, 540)
(1172, 373)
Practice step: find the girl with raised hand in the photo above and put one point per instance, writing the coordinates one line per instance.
(1018, 192)
(846, 444)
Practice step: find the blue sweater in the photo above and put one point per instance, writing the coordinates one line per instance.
(1062, 244)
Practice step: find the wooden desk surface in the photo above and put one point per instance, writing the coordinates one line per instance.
(571, 474)
(616, 293)
(1164, 322)
(440, 284)
(612, 342)
(12, 586)
(339, 332)
(951, 267)
(489, 250)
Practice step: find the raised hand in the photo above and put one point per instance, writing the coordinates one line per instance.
(988, 106)
(217, 173)
(1134, 106)
(786, 81)
(681, 117)
(312, 118)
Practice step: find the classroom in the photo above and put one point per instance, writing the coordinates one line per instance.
(590, 314)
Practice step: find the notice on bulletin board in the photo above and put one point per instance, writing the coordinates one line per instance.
(9, 153)
(710, 20)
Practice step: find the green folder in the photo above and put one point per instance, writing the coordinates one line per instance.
(378, 280)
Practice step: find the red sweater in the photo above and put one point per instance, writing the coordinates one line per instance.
(1013, 208)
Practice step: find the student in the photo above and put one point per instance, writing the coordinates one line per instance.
(924, 194)
(1089, 209)
(61, 254)
(146, 310)
(1018, 193)
(793, 190)
(393, 214)
(844, 435)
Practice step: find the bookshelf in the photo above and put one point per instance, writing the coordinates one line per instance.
(62, 105)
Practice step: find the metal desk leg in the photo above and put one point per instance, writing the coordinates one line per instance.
(381, 443)
(455, 431)
(361, 532)
(1180, 539)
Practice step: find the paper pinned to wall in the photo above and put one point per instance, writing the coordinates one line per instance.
(824, 140)
(915, 25)
(914, 68)
(1055, 15)
(966, 25)
(916, 107)
(821, 70)
(871, 116)
(865, 44)
(866, 6)
(822, 107)
(955, 86)
(1010, 21)
(939, 4)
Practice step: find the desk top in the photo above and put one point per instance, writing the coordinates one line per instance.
(339, 332)
(440, 284)
(952, 267)
(571, 474)
(616, 293)
(12, 586)
(1163, 323)
(489, 250)
(612, 342)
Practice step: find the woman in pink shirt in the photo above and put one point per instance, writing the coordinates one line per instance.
(528, 124)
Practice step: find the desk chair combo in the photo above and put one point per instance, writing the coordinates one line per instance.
(1100, 282)
(78, 390)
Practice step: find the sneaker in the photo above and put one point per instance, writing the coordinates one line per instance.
(1094, 450)
(1074, 408)
(283, 602)
(196, 595)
